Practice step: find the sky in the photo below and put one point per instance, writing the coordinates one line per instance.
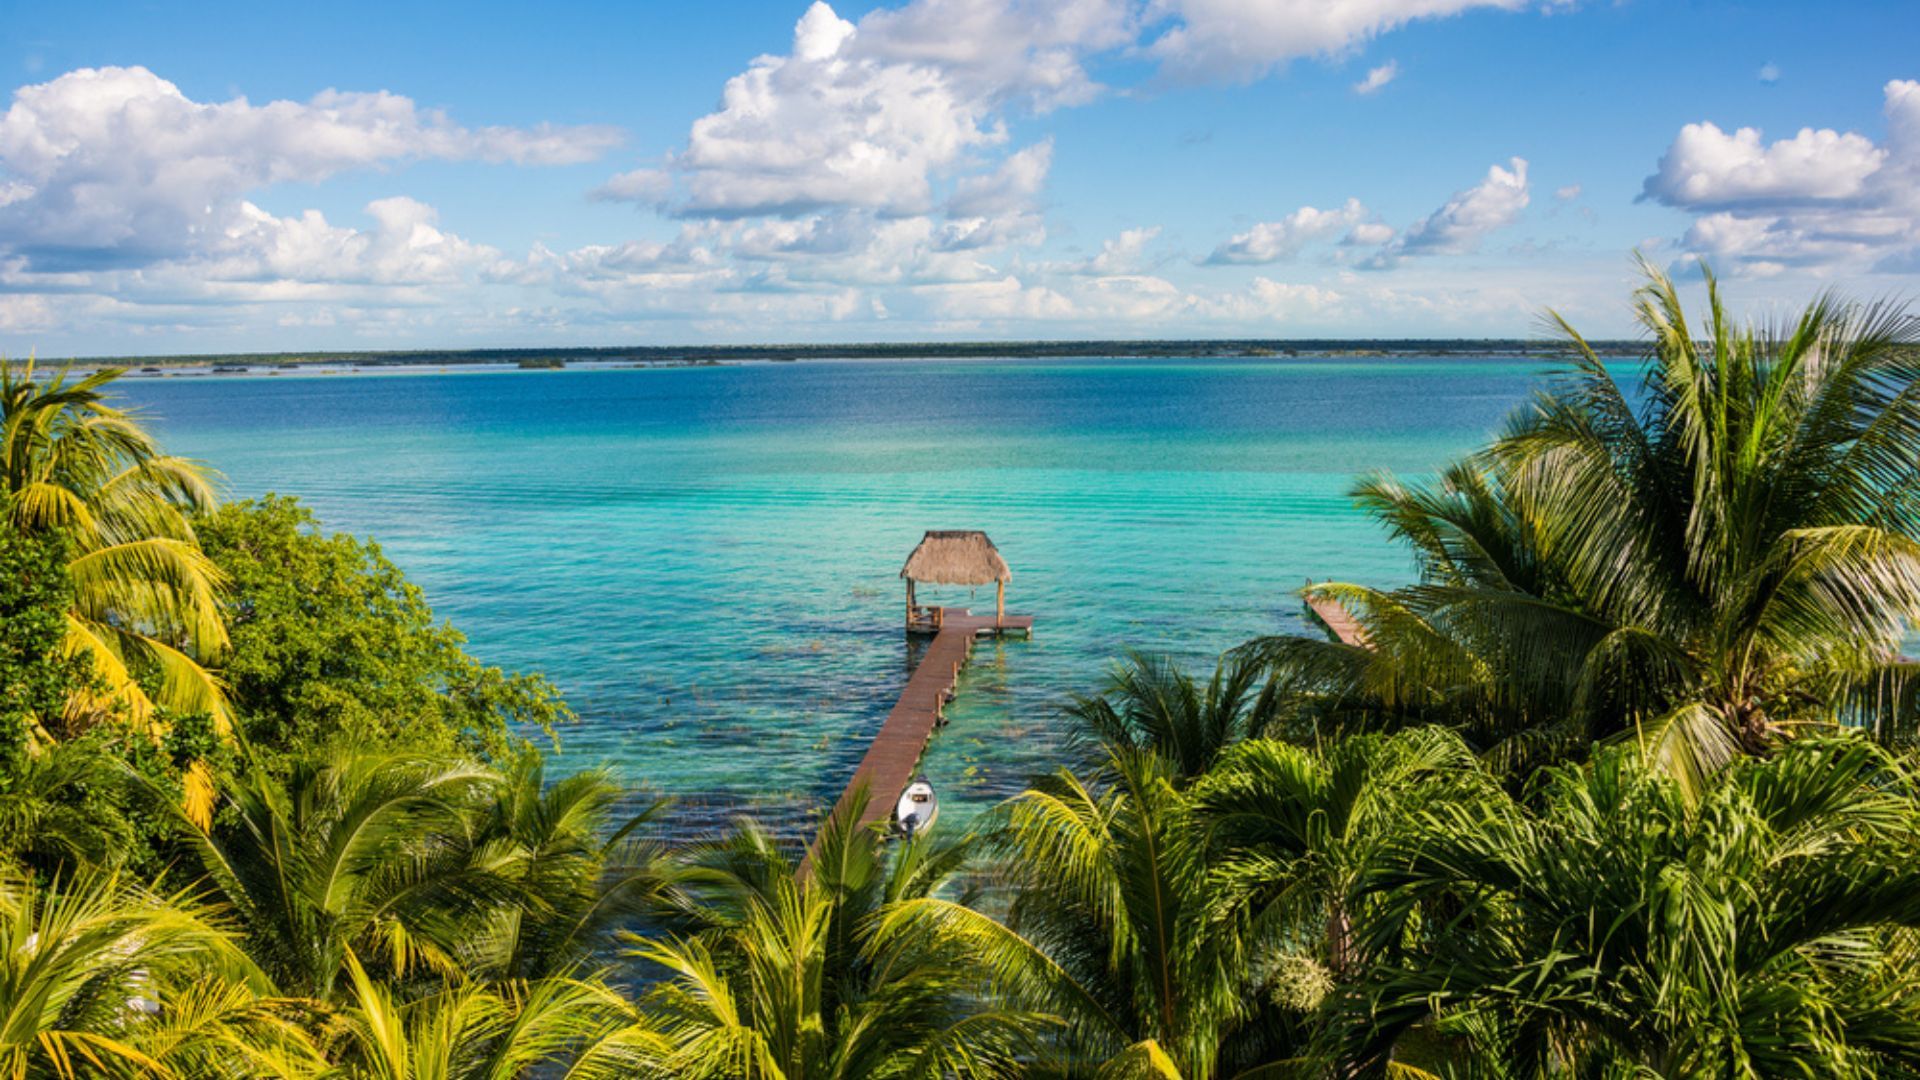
(350, 175)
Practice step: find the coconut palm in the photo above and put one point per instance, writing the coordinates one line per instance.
(775, 973)
(145, 597)
(59, 810)
(98, 977)
(1732, 550)
(1289, 830)
(1616, 926)
(1152, 706)
(471, 1031)
(1110, 928)
(580, 873)
(380, 855)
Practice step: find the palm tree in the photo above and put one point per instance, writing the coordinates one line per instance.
(98, 977)
(1289, 830)
(1109, 927)
(1617, 926)
(1151, 706)
(59, 810)
(472, 1031)
(380, 855)
(1730, 552)
(775, 974)
(145, 597)
(580, 874)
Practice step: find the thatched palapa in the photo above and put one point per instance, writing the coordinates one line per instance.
(954, 557)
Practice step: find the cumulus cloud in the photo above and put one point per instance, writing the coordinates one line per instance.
(405, 247)
(826, 125)
(1123, 254)
(1822, 200)
(1367, 234)
(886, 113)
(1710, 168)
(1377, 78)
(1239, 40)
(1494, 203)
(1025, 51)
(1012, 187)
(1272, 241)
(115, 166)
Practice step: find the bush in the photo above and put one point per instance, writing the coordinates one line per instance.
(332, 645)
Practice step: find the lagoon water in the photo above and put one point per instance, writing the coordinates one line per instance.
(705, 559)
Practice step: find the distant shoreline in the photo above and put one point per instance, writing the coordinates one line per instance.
(709, 355)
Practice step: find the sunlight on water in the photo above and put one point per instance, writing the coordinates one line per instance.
(705, 559)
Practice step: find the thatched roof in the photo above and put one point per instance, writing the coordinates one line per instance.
(956, 557)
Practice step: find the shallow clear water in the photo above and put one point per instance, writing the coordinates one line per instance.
(705, 559)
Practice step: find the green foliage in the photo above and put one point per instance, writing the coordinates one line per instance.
(1616, 927)
(332, 645)
(1152, 707)
(36, 677)
(1737, 558)
(85, 965)
(773, 976)
(143, 596)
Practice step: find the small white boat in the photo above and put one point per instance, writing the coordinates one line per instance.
(917, 808)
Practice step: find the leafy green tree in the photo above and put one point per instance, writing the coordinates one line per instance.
(1289, 831)
(1733, 554)
(37, 677)
(332, 645)
(67, 806)
(1615, 926)
(144, 599)
(779, 974)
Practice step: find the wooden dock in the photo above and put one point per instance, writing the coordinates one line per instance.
(1339, 620)
(894, 755)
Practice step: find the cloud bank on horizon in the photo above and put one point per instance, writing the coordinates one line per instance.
(894, 177)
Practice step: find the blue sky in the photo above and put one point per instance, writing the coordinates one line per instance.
(369, 176)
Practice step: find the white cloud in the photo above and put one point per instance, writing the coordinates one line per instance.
(1005, 298)
(1494, 203)
(23, 312)
(1823, 200)
(1124, 254)
(1239, 40)
(1769, 72)
(824, 126)
(1272, 241)
(1012, 187)
(636, 185)
(1377, 78)
(1567, 194)
(1367, 234)
(1029, 51)
(1710, 168)
(117, 166)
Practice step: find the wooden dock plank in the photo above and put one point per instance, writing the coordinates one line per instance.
(1339, 620)
(894, 755)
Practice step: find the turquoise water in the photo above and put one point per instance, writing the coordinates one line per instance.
(705, 559)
